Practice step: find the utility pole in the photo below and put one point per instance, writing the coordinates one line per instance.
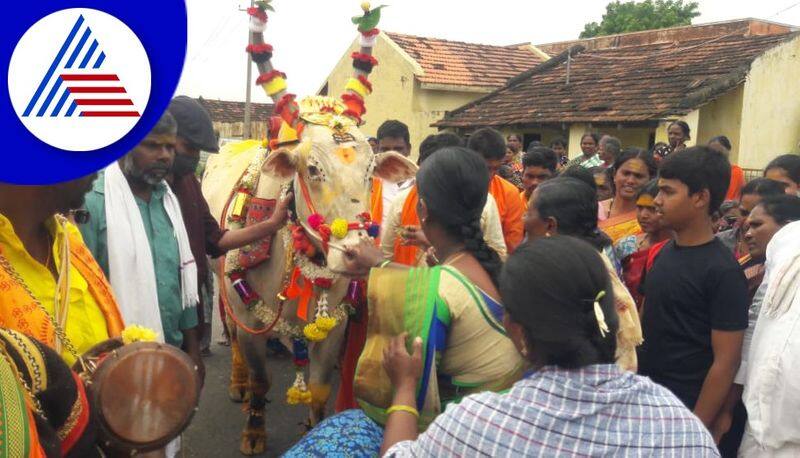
(248, 86)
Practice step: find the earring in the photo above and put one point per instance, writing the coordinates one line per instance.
(547, 234)
(524, 349)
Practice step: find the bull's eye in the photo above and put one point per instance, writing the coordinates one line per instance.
(315, 172)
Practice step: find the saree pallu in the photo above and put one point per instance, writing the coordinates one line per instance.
(464, 344)
(618, 226)
(465, 350)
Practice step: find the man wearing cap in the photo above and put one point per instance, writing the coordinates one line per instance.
(195, 134)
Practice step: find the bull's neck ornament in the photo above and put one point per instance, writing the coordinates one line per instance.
(307, 279)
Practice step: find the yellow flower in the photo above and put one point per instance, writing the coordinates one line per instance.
(339, 228)
(325, 323)
(135, 333)
(365, 7)
(313, 333)
(295, 395)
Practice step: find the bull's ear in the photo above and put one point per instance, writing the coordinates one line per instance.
(281, 163)
(393, 166)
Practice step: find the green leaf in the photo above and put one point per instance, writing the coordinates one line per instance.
(631, 16)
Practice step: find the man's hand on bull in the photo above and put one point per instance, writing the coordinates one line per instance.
(360, 258)
(281, 213)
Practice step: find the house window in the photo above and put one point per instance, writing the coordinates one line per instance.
(527, 139)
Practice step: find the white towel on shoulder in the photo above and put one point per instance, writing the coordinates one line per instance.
(131, 271)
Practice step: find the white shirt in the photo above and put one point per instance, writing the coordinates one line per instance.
(391, 190)
(772, 386)
(490, 225)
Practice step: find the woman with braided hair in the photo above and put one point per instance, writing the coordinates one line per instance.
(568, 206)
(452, 309)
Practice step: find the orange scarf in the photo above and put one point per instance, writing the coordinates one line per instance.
(18, 311)
(376, 205)
(407, 254)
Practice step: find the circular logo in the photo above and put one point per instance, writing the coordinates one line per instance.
(79, 79)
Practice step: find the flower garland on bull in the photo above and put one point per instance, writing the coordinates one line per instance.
(304, 252)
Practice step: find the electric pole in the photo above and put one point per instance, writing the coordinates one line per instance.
(248, 86)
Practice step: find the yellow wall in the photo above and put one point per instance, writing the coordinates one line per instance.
(576, 131)
(771, 106)
(397, 94)
(630, 137)
(723, 116)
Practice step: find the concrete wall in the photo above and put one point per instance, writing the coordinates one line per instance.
(723, 116)
(771, 106)
(396, 93)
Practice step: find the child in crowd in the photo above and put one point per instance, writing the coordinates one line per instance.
(697, 302)
(633, 251)
(539, 165)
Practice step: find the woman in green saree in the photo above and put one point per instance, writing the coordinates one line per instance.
(452, 310)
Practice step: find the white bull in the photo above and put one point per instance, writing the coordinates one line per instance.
(337, 176)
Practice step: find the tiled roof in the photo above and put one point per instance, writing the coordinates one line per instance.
(227, 111)
(465, 64)
(629, 84)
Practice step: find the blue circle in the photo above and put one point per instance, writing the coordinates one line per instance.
(161, 27)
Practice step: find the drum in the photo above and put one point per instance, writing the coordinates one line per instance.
(143, 394)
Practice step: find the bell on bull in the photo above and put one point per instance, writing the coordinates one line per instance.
(292, 287)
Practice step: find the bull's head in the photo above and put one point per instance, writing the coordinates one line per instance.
(321, 148)
(332, 167)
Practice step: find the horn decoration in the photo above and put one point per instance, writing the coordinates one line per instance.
(271, 80)
(358, 86)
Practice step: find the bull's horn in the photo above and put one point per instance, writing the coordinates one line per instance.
(271, 80)
(358, 86)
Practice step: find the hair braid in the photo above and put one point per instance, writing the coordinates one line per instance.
(472, 235)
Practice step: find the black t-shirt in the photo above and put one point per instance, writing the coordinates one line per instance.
(688, 292)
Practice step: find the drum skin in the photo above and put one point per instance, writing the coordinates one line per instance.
(144, 395)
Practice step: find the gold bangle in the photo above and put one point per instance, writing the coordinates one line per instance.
(402, 408)
(384, 263)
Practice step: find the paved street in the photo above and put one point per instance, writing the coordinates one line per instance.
(216, 427)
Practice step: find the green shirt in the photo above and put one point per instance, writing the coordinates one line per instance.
(163, 247)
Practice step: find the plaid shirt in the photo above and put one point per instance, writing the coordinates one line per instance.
(593, 411)
(581, 160)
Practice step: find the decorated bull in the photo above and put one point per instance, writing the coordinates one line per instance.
(292, 286)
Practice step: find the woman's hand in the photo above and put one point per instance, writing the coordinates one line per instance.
(404, 370)
(430, 257)
(360, 258)
(413, 235)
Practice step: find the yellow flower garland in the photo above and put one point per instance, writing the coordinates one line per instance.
(135, 333)
(358, 87)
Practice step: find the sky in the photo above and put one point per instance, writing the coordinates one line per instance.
(310, 36)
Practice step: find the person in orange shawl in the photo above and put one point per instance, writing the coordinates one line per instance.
(393, 135)
(46, 271)
(489, 143)
(617, 216)
(723, 145)
(401, 238)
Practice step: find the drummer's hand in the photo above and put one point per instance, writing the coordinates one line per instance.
(430, 257)
(404, 370)
(360, 258)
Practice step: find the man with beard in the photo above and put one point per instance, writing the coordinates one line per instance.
(136, 233)
(39, 283)
(196, 133)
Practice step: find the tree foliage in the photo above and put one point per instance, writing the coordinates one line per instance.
(631, 16)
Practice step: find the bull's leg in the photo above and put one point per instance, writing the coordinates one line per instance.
(323, 357)
(254, 350)
(237, 390)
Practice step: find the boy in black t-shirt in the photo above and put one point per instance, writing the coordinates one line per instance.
(695, 309)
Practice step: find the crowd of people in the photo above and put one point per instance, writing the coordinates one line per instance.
(629, 301)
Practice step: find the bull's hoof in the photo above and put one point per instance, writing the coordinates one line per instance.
(254, 442)
(238, 392)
